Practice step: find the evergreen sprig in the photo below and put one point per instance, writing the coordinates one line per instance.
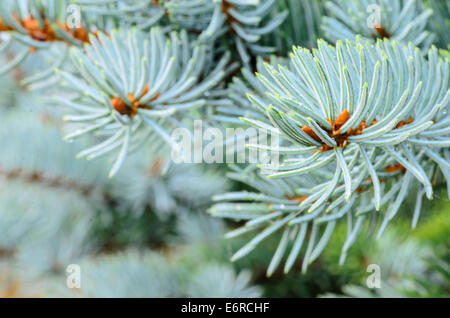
(276, 205)
(401, 20)
(246, 22)
(369, 118)
(134, 85)
(37, 26)
(355, 98)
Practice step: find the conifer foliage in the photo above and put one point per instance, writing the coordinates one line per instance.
(358, 92)
(403, 21)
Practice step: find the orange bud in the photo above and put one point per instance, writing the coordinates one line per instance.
(310, 133)
(342, 119)
(119, 105)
